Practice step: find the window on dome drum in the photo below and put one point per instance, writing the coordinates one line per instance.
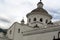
(10, 31)
(18, 30)
(46, 21)
(34, 19)
(41, 19)
(29, 20)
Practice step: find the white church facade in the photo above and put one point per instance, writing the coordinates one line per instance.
(39, 27)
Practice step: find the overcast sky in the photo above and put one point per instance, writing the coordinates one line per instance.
(15, 10)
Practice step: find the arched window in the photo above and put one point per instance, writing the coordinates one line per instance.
(10, 31)
(46, 21)
(18, 30)
(41, 19)
(53, 37)
(29, 20)
(34, 19)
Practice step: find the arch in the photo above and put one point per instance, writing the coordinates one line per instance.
(41, 19)
(29, 20)
(46, 21)
(34, 19)
(18, 30)
(10, 31)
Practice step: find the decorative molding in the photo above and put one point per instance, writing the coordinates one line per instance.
(40, 31)
(37, 22)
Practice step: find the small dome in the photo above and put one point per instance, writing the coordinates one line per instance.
(40, 3)
(22, 20)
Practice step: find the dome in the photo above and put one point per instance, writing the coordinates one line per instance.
(40, 3)
(41, 11)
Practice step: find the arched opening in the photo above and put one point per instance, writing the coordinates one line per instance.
(18, 30)
(46, 21)
(34, 19)
(10, 31)
(41, 19)
(29, 20)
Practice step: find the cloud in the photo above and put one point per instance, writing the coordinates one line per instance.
(15, 10)
(4, 20)
(4, 25)
(54, 12)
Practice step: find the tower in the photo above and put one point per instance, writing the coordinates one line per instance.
(38, 16)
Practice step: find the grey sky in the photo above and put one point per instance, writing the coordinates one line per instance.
(15, 10)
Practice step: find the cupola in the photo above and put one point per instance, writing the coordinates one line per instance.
(38, 17)
(22, 21)
(40, 4)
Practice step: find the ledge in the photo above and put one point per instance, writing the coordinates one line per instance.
(40, 31)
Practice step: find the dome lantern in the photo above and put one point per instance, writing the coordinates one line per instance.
(40, 4)
(22, 21)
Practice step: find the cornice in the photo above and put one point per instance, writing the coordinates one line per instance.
(40, 31)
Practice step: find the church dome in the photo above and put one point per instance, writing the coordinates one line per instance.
(40, 10)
